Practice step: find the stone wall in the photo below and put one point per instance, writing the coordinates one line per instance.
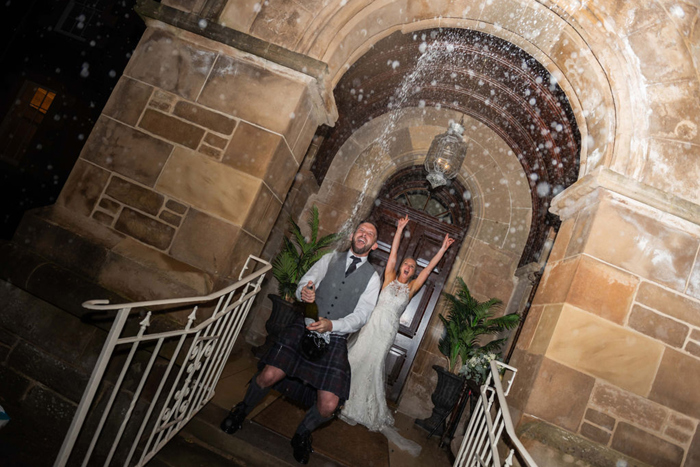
(195, 152)
(610, 348)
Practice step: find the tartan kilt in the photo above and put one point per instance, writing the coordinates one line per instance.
(331, 373)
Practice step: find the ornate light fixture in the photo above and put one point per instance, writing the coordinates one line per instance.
(446, 155)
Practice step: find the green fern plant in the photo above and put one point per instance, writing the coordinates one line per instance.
(299, 254)
(467, 321)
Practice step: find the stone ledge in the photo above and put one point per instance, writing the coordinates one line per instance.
(579, 194)
(551, 446)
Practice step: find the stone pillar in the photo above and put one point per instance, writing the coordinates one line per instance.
(187, 168)
(611, 347)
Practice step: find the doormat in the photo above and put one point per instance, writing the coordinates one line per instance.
(345, 444)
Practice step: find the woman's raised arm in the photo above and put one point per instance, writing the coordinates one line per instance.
(390, 271)
(418, 282)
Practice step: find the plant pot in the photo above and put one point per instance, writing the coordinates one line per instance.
(444, 398)
(282, 314)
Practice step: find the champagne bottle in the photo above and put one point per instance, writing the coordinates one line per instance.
(311, 309)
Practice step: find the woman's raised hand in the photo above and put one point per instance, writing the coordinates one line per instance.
(447, 242)
(402, 222)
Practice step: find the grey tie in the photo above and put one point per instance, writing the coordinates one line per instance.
(353, 266)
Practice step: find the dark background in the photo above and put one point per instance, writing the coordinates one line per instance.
(76, 49)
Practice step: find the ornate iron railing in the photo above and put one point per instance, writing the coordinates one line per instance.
(490, 431)
(117, 422)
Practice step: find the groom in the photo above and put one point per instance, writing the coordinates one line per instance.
(345, 288)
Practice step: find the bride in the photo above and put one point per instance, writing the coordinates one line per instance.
(367, 401)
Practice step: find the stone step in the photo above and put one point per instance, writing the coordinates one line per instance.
(253, 445)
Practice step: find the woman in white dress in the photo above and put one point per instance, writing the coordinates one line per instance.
(367, 402)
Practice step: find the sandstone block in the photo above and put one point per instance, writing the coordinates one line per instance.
(246, 245)
(695, 335)
(204, 117)
(693, 457)
(678, 435)
(135, 196)
(628, 406)
(545, 329)
(595, 434)
(528, 368)
(556, 282)
(659, 252)
(258, 95)
(144, 228)
(602, 290)
(128, 100)
(694, 283)
(83, 187)
(671, 104)
(646, 447)
(658, 326)
(142, 282)
(672, 391)
(264, 155)
(166, 62)
(103, 218)
(559, 395)
(672, 163)
(176, 207)
(591, 344)
(109, 205)
(263, 214)
(669, 303)
(170, 218)
(171, 128)
(209, 185)
(682, 422)
(206, 242)
(136, 256)
(530, 327)
(215, 141)
(692, 348)
(662, 53)
(127, 151)
(163, 101)
(600, 419)
(282, 23)
(210, 151)
(45, 368)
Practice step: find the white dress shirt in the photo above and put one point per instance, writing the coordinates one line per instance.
(355, 320)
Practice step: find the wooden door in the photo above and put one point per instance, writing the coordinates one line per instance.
(422, 239)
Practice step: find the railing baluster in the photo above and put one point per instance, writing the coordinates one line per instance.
(489, 423)
(211, 344)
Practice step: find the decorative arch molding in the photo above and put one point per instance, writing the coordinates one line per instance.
(629, 70)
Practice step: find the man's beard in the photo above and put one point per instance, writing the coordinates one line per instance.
(360, 251)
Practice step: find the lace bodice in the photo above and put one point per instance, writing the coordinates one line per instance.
(392, 301)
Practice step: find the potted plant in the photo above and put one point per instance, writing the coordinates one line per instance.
(298, 254)
(467, 323)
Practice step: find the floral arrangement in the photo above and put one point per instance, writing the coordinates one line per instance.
(477, 367)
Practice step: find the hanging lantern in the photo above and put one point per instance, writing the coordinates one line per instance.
(445, 155)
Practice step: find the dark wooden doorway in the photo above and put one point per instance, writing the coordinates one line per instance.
(433, 213)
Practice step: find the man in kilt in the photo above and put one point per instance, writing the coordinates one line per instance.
(345, 286)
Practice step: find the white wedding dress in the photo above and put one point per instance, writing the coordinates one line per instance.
(367, 402)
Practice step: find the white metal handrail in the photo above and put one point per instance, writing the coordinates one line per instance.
(208, 345)
(485, 432)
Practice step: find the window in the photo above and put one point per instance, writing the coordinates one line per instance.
(80, 18)
(22, 121)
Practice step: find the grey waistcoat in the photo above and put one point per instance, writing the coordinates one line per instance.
(338, 295)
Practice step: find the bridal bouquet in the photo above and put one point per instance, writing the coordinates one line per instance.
(477, 367)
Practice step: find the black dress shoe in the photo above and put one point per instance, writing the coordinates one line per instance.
(302, 447)
(234, 420)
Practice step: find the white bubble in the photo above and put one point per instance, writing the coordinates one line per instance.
(395, 64)
(543, 189)
(112, 73)
(423, 47)
(81, 136)
(202, 23)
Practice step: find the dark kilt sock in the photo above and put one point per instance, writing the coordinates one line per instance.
(254, 394)
(311, 421)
